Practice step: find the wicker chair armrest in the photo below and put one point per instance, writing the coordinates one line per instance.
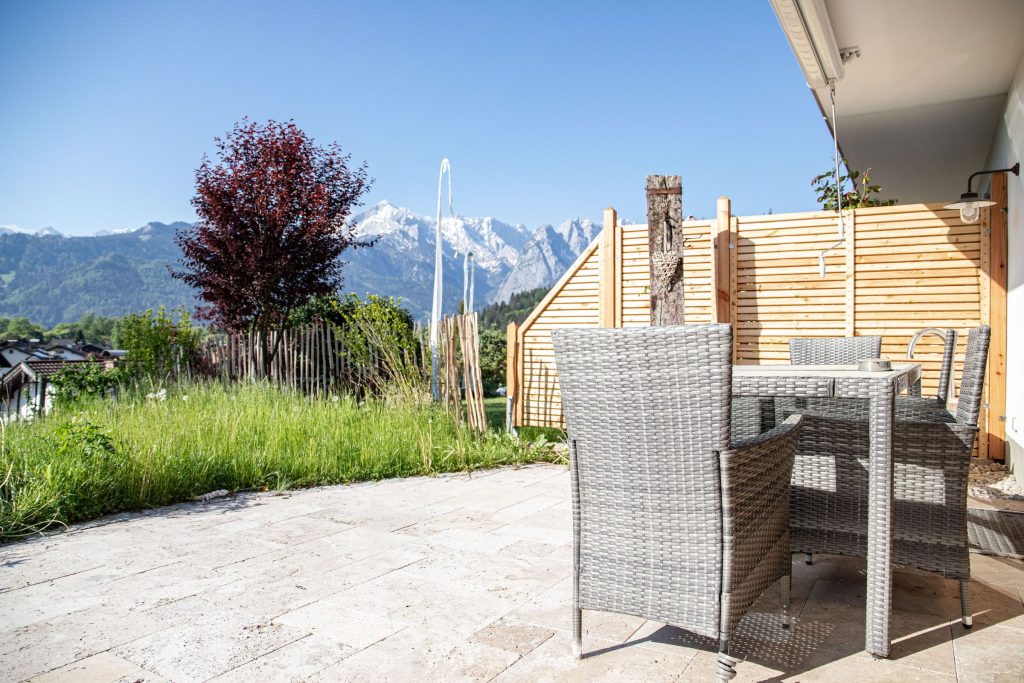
(937, 439)
(757, 470)
(765, 443)
(755, 516)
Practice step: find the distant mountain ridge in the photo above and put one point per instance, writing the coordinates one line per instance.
(547, 255)
(50, 278)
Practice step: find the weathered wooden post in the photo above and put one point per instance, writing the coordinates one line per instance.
(665, 232)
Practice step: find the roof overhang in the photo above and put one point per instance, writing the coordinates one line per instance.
(922, 92)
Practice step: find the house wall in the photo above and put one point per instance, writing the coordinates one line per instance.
(24, 405)
(1007, 149)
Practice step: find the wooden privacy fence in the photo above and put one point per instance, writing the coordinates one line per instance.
(900, 269)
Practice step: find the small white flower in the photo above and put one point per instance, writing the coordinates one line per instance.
(185, 397)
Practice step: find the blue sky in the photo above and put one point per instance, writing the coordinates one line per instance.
(547, 110)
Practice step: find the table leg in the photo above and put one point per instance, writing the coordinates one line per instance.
(882, 422)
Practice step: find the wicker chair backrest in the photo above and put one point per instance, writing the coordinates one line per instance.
(973, 377)
(946, 371)
(833, 350)
(647, 410)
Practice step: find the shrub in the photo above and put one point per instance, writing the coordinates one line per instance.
(492, 358)
(378, 337)
(854, 194)
(80, 381)
(87, 469)
(160, 343)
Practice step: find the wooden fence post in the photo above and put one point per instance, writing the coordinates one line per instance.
(850, 249)
(665, 236)
(511, 373)
(609, 286)
(995, 384)
(721, 263)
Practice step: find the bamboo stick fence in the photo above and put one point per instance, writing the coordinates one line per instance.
(461, 375)
(310, 359)
(901, 269)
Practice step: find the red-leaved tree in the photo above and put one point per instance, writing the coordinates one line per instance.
(272, 227)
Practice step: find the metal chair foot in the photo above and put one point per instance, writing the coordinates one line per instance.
(577, 634)
(726, 668)
(785, 585)
(965, 604)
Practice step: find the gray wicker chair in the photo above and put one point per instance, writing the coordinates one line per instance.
(931, 451)
(833, 350)
(672, 521)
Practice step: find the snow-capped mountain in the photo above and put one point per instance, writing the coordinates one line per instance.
(126, 270)
(495, 245)
(509, 258)
(401, 262)
(11, 229)
(547, 255)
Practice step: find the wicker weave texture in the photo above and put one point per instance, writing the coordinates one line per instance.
(931, 457)
(996, 532)
(672, 522)
(833, 350)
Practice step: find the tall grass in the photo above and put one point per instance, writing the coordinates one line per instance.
(98, 457)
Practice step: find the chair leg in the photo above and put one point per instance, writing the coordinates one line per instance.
(785, 585)
(577, 633)
(726, 669)
(808, 558)
(965, 603)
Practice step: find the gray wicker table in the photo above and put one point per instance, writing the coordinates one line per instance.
(881, 389)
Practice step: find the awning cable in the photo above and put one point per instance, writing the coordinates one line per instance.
(839, 189)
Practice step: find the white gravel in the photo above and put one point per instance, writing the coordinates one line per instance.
(993, 480)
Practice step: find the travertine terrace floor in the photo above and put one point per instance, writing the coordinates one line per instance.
(451, 578)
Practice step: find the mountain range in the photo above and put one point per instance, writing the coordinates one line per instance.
(51, 278)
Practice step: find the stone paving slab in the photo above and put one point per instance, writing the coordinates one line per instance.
(451, 578)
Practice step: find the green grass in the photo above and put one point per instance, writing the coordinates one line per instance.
(494, 409)
(102, 457)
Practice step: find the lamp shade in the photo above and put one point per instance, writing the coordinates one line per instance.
(970, 206)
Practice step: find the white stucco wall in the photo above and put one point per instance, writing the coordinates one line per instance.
(1007, 149)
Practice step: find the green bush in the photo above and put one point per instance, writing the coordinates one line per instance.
(86, 469)
(82, 381)
(160, 343)
(492, 358)
(378, 337)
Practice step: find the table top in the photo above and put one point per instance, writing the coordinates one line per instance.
(829, 381)
(833, 371)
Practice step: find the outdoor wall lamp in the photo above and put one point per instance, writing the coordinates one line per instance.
(970, 203)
